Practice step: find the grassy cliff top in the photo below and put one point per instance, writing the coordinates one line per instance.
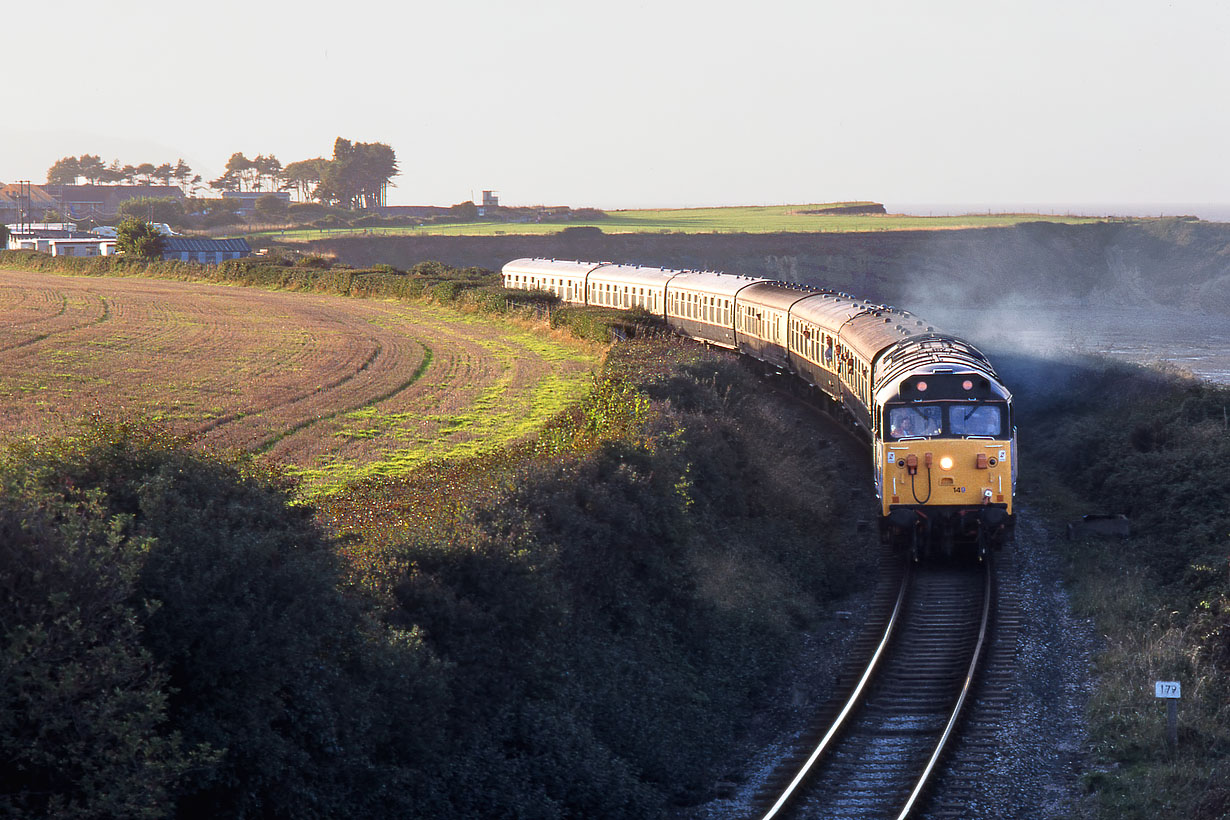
(747, 219)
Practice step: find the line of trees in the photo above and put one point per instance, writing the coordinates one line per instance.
(356, 177)
(92, 169)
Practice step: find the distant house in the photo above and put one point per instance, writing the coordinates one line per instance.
(15, 208)
(82, 201)
(81, 247)
(206, 251)
(247, 199)
(47, 237)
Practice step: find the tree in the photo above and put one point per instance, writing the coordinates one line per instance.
(271, 208)
(243, 169)
(267, 168)
(64, 172)
(227, 182)
(157, 209)
(358, 175)
(111, 174)
(302, 177)
(163, 173)
(182, 173)
(136, 237)
(90, 167)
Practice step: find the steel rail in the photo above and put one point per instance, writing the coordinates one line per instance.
(921, 785)
(851, 704)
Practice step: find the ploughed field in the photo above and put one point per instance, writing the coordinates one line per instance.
(339, 389)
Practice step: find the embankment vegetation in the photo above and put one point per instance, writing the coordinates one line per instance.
(577, 625)
(1111, 438)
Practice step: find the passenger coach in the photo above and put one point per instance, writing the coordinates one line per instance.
(938, 417)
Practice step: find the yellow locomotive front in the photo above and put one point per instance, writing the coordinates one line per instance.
(946, 462)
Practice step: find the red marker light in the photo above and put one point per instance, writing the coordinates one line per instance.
(967, 384)
(922, 387)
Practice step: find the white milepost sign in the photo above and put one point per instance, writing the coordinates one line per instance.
(1171, 691)
(1167, 689)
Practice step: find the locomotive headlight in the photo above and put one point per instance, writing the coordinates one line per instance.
(945, 462)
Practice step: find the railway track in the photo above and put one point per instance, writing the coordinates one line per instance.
(875, 751)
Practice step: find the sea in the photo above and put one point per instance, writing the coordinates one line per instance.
(1207, 211)
(1195, 342)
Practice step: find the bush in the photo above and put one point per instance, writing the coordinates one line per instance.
(302, 211)
(83, 721)
(311, 712)
(272, 208)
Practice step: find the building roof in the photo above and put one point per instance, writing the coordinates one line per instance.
(109, 193)
(45, 233)
(195, 244)
(38, 197)
(254, 194)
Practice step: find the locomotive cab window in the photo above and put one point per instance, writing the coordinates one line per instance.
(916, 420)
(975, 420)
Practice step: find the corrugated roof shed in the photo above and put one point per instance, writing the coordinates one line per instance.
(192, 244)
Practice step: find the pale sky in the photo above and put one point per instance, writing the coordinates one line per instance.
(646, 104)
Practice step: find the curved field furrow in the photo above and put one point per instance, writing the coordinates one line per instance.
(44, 319)
(27, 307)
(488, 390)
(338, 389)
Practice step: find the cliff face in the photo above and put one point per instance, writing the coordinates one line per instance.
(1162, 263)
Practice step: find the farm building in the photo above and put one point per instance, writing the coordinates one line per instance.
(79, 201)
(206, 251)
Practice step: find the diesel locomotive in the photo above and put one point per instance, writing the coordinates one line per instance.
(938, 417)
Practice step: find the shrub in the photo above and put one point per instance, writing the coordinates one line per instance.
(83, 720)
(312, 713)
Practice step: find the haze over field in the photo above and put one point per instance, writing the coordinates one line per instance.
(652, 105)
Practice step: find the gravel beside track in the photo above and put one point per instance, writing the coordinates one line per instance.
(1040, 756)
